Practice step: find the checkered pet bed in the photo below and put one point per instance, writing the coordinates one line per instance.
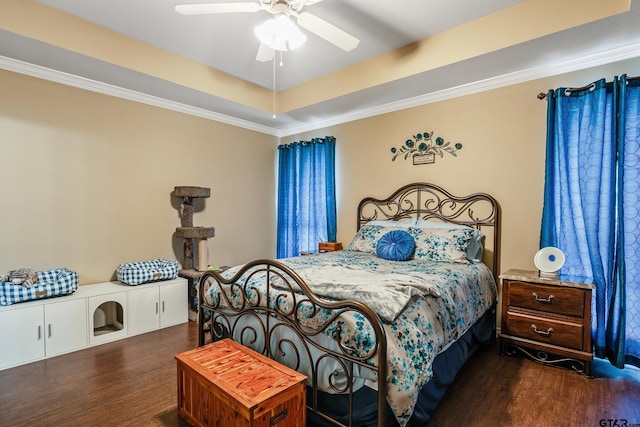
(51, 283)
(136, 273)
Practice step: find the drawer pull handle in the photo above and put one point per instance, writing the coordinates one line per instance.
(535, 329)
(537, 298)
(280, 416)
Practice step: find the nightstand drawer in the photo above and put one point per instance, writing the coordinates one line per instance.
(544, 330)
(551, 299)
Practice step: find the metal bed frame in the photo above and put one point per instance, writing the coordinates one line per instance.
(284, 308)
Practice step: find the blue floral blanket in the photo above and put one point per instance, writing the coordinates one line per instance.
(445, 300)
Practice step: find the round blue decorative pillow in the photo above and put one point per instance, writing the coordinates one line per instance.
(396, 245)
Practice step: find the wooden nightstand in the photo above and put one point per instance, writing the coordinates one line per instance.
(329, 246)
(547, 320)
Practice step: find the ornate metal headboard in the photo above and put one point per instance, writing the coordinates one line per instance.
(428, 201)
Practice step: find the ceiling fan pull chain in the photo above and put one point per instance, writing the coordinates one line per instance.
(274, 86)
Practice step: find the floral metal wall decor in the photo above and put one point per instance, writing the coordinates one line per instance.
(423, 149)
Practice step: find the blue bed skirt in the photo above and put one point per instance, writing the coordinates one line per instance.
(445, 368)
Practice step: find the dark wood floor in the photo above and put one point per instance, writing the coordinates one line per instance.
(493, 390)
(133, 383)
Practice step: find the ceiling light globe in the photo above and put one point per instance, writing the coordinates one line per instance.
(280, 33)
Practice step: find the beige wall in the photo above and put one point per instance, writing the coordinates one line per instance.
(86, 178)
(87, 181)
(503, 134)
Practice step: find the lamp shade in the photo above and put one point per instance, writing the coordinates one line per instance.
(280, 33)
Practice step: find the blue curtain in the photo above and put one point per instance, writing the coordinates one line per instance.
(306, 195)
(592, 207)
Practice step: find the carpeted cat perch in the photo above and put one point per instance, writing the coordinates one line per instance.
(188, 232)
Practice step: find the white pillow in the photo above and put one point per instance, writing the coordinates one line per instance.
(404, 223)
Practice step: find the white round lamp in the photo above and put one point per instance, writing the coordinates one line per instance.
(549, 261)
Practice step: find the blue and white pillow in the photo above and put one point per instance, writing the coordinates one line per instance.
(475, 249)
(137, 273)
(441, 244)
(434, 240)
(60, 281)
(366, 239)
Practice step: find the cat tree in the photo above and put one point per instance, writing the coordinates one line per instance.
(188, 232)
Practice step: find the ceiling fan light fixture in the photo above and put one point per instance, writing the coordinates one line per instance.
(280, 33)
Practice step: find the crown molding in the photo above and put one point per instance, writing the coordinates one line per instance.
(68, 79)
(552, 69)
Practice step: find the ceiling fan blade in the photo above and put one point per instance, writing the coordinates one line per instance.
(265, 53)
(327, 31)
(206, 8)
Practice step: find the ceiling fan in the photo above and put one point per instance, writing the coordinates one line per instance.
(271, 38)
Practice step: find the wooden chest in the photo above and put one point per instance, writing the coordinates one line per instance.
(225, 384)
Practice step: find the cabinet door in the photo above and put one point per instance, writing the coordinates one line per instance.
(21, 336)
(144, 310)
(174, 303)
(65, 326)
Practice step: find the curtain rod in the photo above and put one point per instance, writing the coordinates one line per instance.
(543, 95)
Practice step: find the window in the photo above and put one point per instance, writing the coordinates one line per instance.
(306, 195)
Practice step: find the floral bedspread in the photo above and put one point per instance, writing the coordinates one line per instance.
(427, 326)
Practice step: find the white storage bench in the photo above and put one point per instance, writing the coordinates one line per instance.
(92, 315)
